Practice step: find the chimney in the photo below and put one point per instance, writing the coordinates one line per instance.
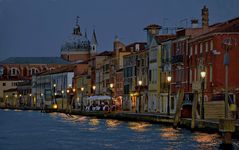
(194, 23)
(205, 17)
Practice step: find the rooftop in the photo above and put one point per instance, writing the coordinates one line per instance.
(34, 60)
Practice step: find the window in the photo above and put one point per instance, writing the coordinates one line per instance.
(33, 71)
(150, 73)
(211, 45)
(186, 51)
(3, 84)
(190, 76)
(200, 47)
(137, 47)
(172, 103)
(14, 71)
(195, 74)
(206, 46)
(191, 50)
(210, 73)
(196, 49)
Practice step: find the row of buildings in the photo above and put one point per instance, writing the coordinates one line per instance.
(141, 76)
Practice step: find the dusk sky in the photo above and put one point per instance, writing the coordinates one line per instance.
(39, 27)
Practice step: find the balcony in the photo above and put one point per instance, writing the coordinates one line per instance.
(165, 60)
(177, 59)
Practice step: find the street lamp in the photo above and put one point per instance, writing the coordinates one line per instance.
(111, 85)
(30, 99)
(94, 87)
(227, 44)
(111, 89)
(62, 94)
(203, 75)
(42, 101)
(54, 95)
(82, 90)
(140, 84)
(169, 78)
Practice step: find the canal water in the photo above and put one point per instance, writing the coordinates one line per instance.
(32, 130)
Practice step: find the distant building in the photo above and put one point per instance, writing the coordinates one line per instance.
(16, 69)
(78, 47)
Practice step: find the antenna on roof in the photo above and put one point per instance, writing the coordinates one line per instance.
(184, 21)
(77, 20)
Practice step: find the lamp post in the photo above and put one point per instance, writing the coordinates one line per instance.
(54, 95)
(94, 87)
(30, 99)
(203, 75)
(73, 98)
(6, 100)
(70, 94)
(82, 90)
(169, 78)
(62, 94)
(227, 44)
(140, 84)
(42, 101)
(111, 90)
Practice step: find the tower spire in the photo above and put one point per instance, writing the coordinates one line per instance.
(76, 30)
(94, 39)
(94, 44)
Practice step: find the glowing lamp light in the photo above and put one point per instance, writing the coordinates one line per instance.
(62, 92)
(203, 74)
(74, 90)
(54, 106)
(140, 82)
(68, 91)
(82, 89)
(93, 87)
(54, 85)
(169, 78)
(111, 85)
(30, 95)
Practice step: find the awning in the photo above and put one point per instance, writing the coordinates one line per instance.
(94, 98)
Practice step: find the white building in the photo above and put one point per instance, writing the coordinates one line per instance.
(44, 91)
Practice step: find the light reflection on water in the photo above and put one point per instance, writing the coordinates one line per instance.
(62, 132)
(169, 133)
(112, 123)
(139, 126)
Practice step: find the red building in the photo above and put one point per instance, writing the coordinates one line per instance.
(201, 49)
(207, 54)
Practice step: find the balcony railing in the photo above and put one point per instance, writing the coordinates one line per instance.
(177, 59)
(165, 60)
